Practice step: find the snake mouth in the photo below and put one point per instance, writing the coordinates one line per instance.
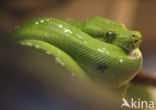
(130, 46)
(134, 54)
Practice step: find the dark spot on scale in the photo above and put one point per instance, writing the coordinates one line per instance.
(133, 35)
(102, 67)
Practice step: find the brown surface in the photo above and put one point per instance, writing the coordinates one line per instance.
(145, 78)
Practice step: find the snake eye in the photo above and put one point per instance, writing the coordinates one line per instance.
(110, 35)
(133, 35)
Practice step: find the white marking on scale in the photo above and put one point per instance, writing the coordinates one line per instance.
(42, 21)
(121, 60)
(85, 42)
(37, 46)
(104, 49)
(60, 26)
(48, 52)
(36, 22)
(79, 37)
(100, 50)
(67, 30)
(29, 44)
(59, 61)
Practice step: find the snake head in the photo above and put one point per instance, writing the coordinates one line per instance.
(126, 39)
(113, 33)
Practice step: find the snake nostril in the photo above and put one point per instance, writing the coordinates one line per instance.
(136, 41)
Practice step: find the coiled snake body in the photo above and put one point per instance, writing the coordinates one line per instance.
(97, 47)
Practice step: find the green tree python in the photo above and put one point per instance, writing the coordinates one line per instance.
(97, 48)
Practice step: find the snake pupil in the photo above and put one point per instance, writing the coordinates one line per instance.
(110, 35)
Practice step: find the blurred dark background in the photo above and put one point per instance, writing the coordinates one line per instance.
(135, 14)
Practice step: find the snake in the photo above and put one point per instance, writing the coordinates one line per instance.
(96, 48)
